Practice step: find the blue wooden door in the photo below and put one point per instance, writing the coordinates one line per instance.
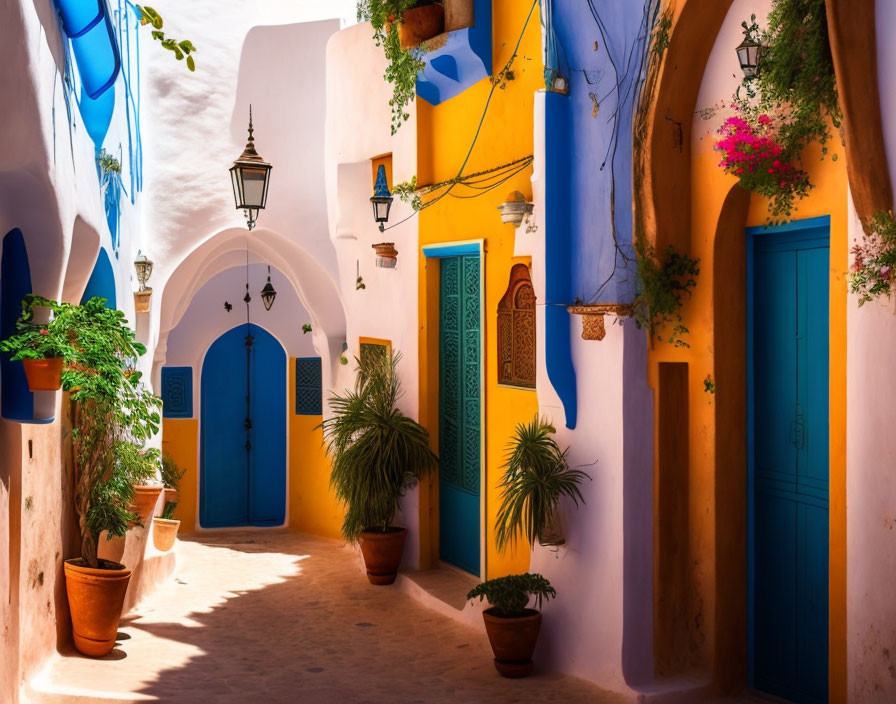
(240, 487)
(460, 408)
(789, 565)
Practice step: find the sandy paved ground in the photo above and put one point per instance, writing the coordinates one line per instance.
(262, 617)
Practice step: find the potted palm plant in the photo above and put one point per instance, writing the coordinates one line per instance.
(377, 453)
(109, 406)
(537, 474)
(41, 347)
(512, 626)
(164, 528)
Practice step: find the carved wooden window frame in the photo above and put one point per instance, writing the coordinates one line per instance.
(516, 336)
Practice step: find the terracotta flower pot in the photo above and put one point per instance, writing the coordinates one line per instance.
(382, 553)
(458, 14)
(420, 24)
(164, 531)
(513, 641)
(95, 598)
(43, 374)
(145, 498)
(172, 496)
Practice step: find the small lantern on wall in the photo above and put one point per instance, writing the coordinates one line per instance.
(386, 255)
(381, 199)
(749, 51)
(251, 176)
(143, 265)
(268, 294)
(514, 209)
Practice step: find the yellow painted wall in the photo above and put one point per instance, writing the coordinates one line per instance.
(445, 133)
(180, 439)
(710, 186)
(312, 506)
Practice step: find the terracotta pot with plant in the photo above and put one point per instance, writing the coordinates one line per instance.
(164, 528)
(41, 347)
(111, 412)
(512, 626)
(537, 474)
(377, 453)
(142, 465)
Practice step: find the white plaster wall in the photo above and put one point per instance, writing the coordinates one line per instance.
(358, 129)
(871, 449)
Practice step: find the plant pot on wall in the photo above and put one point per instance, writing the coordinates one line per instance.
(459, 14)
(513, 640)
(419, 24)
(164, 533)
(43, 374)
(95, 599)
(145, 498)
(382, 553)
(386, 255)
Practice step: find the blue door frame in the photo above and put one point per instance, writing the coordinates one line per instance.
(795, 503)
(240, 488)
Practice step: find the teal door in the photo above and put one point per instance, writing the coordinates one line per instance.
(460, 409)
(789, 462)
(243, 447)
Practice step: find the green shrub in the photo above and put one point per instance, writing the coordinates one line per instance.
(509, 596)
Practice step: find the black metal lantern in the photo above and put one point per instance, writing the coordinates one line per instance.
(250, 175)
(268, 294)
(749, 52)
(382, 199)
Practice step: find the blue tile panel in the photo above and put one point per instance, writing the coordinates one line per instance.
(177, 392)
(309, 386)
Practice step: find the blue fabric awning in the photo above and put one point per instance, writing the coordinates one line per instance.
(88, 26)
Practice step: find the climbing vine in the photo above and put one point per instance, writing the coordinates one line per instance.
(663, 286)
(874, 260)
(180, 49)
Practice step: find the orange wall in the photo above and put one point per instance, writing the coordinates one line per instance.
(180, 439)
(445, 133)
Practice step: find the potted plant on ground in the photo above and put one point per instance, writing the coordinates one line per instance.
(537, 474)
(164, 528)
(109, 405)
(41, 347)
(377, 453)
(512, 626)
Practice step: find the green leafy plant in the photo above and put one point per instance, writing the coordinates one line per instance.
(41, 340)
(663, 287)
(112, 413)
(108, 163)
(180, 49)
(874, 260)
(709, 386)
(509, 596)
(377, 452)
(306, 328)
(537, 474)
(404, 65)
(171, 476)
(407, 193)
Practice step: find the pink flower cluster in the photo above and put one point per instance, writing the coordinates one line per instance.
(751, 152)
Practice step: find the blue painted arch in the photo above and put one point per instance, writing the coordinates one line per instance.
(102, 281)
(239, 487)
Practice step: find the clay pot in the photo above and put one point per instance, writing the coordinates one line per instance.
(43, 374)
(382, 554)
(145, 498)
(95, 598)
(164, 531)
(513, 641)
(172, 496)
(386, 255)
(420, 24)
(458, 14)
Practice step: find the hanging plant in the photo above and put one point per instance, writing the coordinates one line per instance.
(874, 263)
(385, 16)
(663, 286)
(790, 103)
(108, 164)
(180, 49)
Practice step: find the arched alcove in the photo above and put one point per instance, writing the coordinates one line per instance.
(15, 283)
(102, 281)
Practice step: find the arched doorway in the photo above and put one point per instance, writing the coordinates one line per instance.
(243, 464)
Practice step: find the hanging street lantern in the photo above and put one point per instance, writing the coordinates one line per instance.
(250, 175)
(749, 51)
(514, 209)
(268, 294)
(381, 199)
(142, 296)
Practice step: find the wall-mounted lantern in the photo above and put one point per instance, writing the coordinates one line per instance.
(381, 199)
(749, 51)
(143, 265)
(386, 255)
(268, 294)
(251, 176)
(514, 209)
